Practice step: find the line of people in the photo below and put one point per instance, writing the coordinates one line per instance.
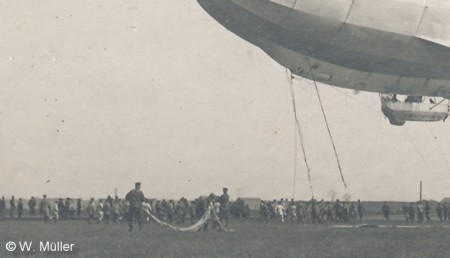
(320, 211)
(60, 208)
(177, 212)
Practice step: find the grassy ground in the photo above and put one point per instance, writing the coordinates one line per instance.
(250, 239)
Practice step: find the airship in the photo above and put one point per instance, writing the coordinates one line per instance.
(399, 49)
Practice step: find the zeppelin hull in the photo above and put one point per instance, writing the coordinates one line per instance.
(390, 46)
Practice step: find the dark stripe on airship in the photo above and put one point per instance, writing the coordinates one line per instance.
(350, 46)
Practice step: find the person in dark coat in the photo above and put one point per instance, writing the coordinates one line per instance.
(12, 206)
(135, 198)
(224, 206)
(20, 208)
(32, 206)
(385, 209)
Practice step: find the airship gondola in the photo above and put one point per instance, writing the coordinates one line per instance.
(385, 46)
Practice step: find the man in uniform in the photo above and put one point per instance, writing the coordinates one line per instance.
(405, 211)
(360, 209)
(44, 208)
(12, 206)
(91, 210)
(135, 197)
(315, 211)
(427, 211)
(20, 209)
(56, 211)
(224, 206)
(192, 210)
(385, 210)
(338, 210)
(411, 212)
(445, 211)
(2, 206)
(32, 206)
(79, 208)
(301, 213)
(439, 212)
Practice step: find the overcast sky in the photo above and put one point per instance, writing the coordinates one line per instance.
(96, 95)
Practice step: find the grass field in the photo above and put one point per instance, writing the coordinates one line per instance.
(250, 239)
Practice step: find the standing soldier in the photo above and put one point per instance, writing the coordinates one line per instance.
(419, 209)
(338, 210)
(224, 206)
(286, 208)
(346, 211)
(411, 212)
(427, 211)
(2, 206)
(20, 208)
(360, 209)
(439, 212)
(445, 211)
(405, 211)
(135, 197)
(67, 207)
(300, 213)
(327, 213)
(79, 208)
(12, 205)
(263, 212)
(56, 211)
(100, 212)
(115, 210)
(44, 208)
(293, 212)
(60, 208)
(160, 212)
(110, 200)
(170, 210)
(279, 210)
(315, 211)
(385, 209)
(353, 211)
(200, 207)
(107, 210)
(181, 211)
(192, 210)
(32, 206)
(90, 209)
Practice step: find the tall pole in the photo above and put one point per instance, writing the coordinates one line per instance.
(115, 192)
(420, 190)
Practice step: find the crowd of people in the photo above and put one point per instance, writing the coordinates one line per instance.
(319, 211)
(177, 212)
(57, 209)
(135, 207)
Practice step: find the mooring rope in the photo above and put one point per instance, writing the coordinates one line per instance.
(300, 134)
(327, 125)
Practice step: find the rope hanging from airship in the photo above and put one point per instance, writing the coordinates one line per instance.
(300, 134)
(326, 123)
